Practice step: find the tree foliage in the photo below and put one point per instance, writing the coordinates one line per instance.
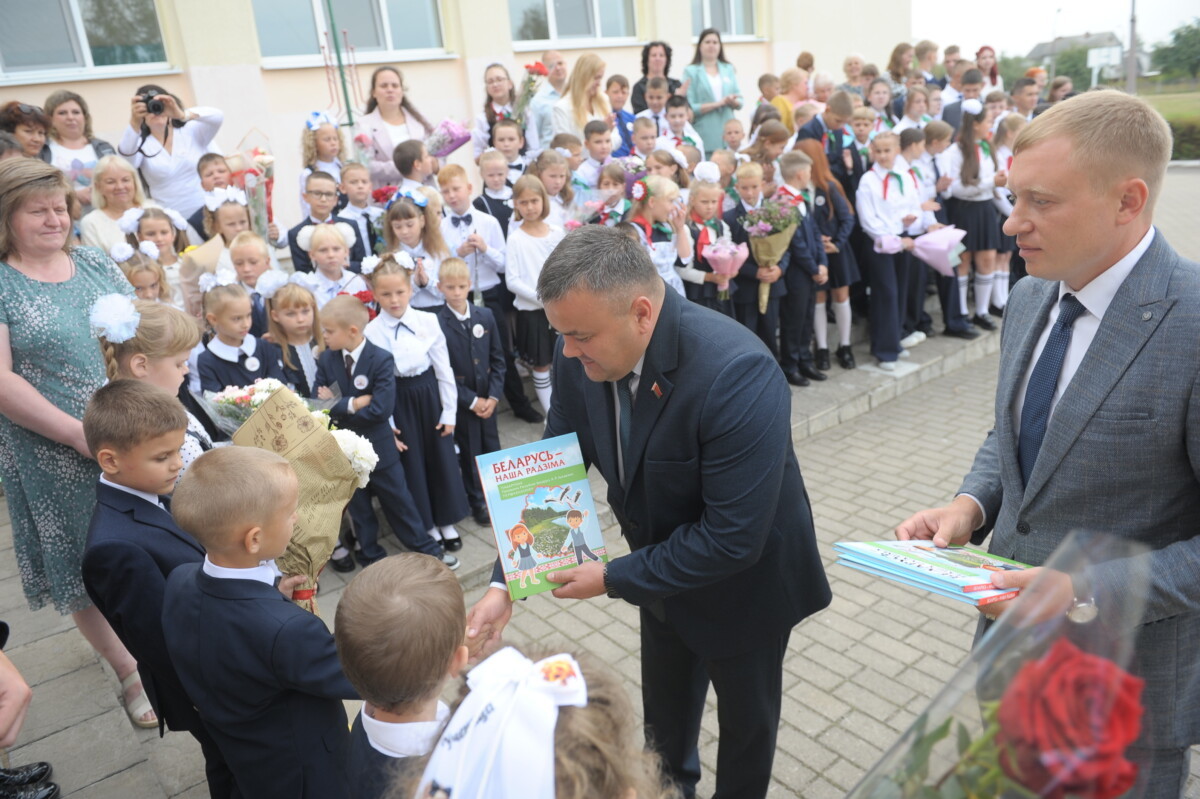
(1073, 64)
(1182, 55)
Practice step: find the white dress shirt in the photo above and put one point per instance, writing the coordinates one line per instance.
(227, 353)
(413, 739)
(327, 289)
(363, 218)
(881, 217)
(151, 498)
(417, 343)
(985, 185)
(426, 296)
(485, 267)
(265, 572)
(588, 173)
(172, 175)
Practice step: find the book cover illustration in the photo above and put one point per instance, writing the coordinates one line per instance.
(543, 516)
(959, 573)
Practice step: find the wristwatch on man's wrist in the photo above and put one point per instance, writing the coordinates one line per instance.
(1083, 608)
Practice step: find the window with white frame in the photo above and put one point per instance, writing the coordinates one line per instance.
(50, 35)
(291, 28)
(730, 17)
(564, 20)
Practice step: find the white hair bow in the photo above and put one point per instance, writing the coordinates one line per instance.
(405, 260)
(668, 146)
(176, 218)
(218, 197)
(222, 277)
(707, 171)
(500, 741)
(114, 317)
(972, 107)
(369, 263)
(128, 223)
(563, 151)
(304, 237)
(149, 249)
(318, 118)
(121, 252)
(270, 282)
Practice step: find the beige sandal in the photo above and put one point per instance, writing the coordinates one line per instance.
(140, 705)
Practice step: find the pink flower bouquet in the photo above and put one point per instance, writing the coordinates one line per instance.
(942, 249)
(725, 258)
(447, 137)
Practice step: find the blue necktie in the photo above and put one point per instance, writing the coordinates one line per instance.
(625, 401)
(1039, 394)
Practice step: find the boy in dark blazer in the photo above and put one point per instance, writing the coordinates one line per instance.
(477, 359)
(745, 299)
(321, 194)
(807, 269)
(133, 544)
(400, 634)
(262, 673)
(365, 376)
(829, 129)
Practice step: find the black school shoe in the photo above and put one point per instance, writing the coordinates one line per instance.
(342, 565)
(481, 517)
(43, 790)
(983, 322)
(811, 372)
(821, 357)
(24, 775)
(845, 358)
(797, 379)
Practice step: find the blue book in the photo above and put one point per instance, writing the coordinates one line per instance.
(960, 573)
(543, 516)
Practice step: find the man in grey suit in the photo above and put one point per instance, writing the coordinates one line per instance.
(1098, 409)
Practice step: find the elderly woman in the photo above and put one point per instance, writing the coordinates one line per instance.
(116, 189)
(583, 101)
(164, 143)
(72, 147)
(50, 365)
(852, 68)
(391, 119)
(28, 124)
(712, 89)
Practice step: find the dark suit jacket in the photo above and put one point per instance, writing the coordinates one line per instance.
(746, 279)
(952, 115)
(1121, 456)
(815, 129)
(477, 363)
(373, 772)
(132, 546)
(217, 373)
(807, 252)
(302, 263)
(713, 504)
(265, 676)
(373, 422)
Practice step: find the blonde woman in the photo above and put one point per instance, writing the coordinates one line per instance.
(584, 100)
(115, 189)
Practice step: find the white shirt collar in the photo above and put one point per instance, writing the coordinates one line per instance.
(504, 193)
(227, 353)
(1097, 295)
(251, 290)
(795, 192)
(357, 352)
(597, 164)
(750, 207)
(328, 284)
(151, 498)
(265, 572)
(637, 367)
(413, 739)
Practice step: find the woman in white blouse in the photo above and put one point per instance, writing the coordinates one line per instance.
(164, 147)
(390, 120)
(584, 100)
(116, 189)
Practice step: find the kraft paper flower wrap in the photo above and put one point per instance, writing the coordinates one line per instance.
(770, 227)
(1044, 707)
(330, 465)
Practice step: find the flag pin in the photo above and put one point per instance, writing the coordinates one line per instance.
(657, 391)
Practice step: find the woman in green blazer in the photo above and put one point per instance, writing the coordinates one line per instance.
(712, 89)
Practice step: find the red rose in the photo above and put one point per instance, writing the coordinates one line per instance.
(383, 194)
(537, 68)
(1065, 722)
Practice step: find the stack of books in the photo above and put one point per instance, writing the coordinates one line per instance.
(960, 573)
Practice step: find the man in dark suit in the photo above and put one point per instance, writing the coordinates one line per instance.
(972, 88)
(1097, 411)
(687, 417)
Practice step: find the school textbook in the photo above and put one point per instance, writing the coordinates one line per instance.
(543, 516)
(960, 573)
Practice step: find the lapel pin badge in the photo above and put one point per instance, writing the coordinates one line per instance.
(657, 391)
(1147, 316)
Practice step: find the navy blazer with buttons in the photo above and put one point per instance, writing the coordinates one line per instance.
(132, 546)
(746, 280)
(374, 422)
(806, 250)
(217, 374)
(477, 362)
(265, 676)
(713, 504)
(815, 129)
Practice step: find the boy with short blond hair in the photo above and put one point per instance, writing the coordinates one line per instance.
(645, 132)
(401, 626)
(356, 185)
(262, 673)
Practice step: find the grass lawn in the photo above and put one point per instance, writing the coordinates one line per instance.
(1175, 106)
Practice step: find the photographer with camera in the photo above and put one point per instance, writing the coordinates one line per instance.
(164, 142)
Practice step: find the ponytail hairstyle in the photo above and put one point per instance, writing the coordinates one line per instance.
(217, 297)
(179, 242)
(664, 158)
(547, 159)
(288, 296)
(967, 137)
(771, 131)
(431, 237)
(162, 331)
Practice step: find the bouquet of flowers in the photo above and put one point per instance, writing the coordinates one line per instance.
(1044, 707)
(587, 205)
(358, 450)
(942, 249)
(725, 258)
(534, 73)
(447, 137)
(254, 173)
(362, 149)
(635, 170)
(770, 227)
(233, 406)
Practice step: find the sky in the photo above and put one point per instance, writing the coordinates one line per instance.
(1013, 27)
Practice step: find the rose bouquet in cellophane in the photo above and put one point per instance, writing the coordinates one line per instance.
(1046, 706)
(770, 228)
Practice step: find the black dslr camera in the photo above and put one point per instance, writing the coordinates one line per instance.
(153, 106)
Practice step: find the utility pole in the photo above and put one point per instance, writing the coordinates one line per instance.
(1131, 61)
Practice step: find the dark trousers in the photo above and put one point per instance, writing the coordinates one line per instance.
(796, 319)
(400, 510)
(749, 691)
(494, 300)
(221, 784)
(914, 317)
(488, 439)
(954, 317)
(885, 275)
(765, 326)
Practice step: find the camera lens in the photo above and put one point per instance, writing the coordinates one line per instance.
(153, 106)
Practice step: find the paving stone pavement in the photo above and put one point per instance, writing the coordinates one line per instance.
(872, 448)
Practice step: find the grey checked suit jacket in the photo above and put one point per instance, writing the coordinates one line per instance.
(1121, 456)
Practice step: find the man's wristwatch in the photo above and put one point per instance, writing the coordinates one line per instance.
(1083, 610)
(609, 591)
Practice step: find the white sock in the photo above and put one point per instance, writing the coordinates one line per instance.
(1000, 290)
(983, 293)
(541, 386)
(962, 294)
(435, 533)
(841, 312)
(449, 533)
(821, 326)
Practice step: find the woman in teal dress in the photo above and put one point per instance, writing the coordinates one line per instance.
(712, 89)
(50, 365)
